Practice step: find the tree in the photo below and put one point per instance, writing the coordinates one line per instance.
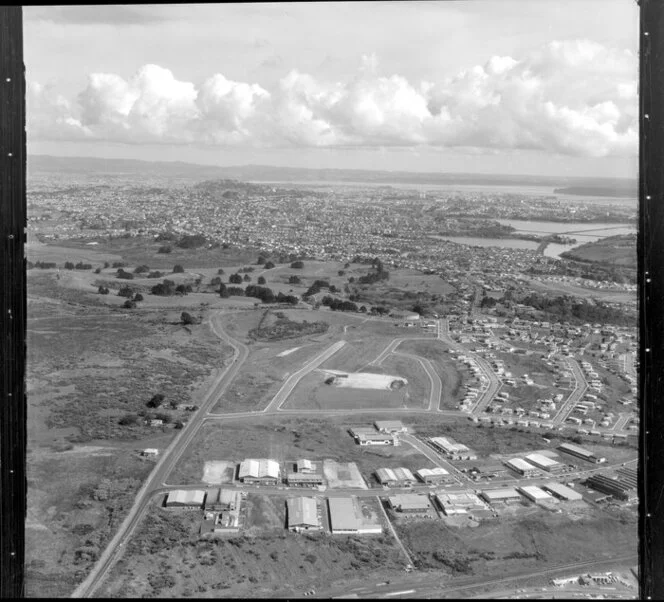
(181, 289)
(126, 291)
(220, 271)
(261, 260)
(129, 304)
(98, 270)
(141, 269)
(216, 281)
(178, 424)
(102, 290)
(261, 280)
(223, 291)
(178, 269)
(293, 280)
(187, 318)
(69, 265)
(235, 279)
(247, 278)
(297, 265)
(156, 401)
(138, 297)
(165, 249)
(268, 265)
(128, 419)
(341, 272)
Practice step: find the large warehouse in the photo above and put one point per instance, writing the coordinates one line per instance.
(259, 472)
(395, 477)
(505, 495)
(185, 498)
(457, 451)
(580, 452)
(410, 503)
(458, 503)
(434, 475)
(302, 514)
(563, 492)
(612, 486)
(522, 467)
(534, 494)
(346, 518)
(545, 463)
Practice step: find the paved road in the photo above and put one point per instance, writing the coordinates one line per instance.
(575, 396)
(164, 466)
(436, 458)
(434, 379)
(294, 379)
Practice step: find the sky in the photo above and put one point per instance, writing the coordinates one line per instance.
(541, 87)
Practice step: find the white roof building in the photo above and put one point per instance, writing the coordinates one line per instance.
(186, 497)
(543, 462)
(534, 493)
(259, 469)
(302, 513)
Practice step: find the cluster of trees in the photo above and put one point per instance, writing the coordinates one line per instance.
(42, 265)
(168, 288)
(117, 264)
(566, 308)
(246, 269)
(102, 290)
(124, 275)
(165, 249)
(298, 265)
(379, 274)
(338, 304)
(186, 318)
(265, 294)
(69, 265)
(192, 241)
(141, 269)
(316, 287)
(294, 280)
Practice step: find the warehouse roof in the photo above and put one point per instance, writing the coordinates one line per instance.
(410, 501)
(304, 465)
(403, 474)
(386, 474)
(541, 459)
(448, 445)
(389, 425)
(186, 497)
(520, 464)
(438, 471)
(562, 491)
(343, 514)
(501, 494)
(575, 449)
(534, 492)
(302, 511)
(258, 469)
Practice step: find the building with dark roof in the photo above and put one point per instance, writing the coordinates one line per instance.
(612, 486)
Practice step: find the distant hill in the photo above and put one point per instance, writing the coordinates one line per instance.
(267, 173)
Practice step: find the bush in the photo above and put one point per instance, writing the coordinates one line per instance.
(187, 318)
(192, 241)
(165, 249)
(268, 265)
(298, 265)
(220, 271)
(293, 280)
(235, 279)
(261, 280)
(178, 269)
(102, 290)
(156, 401)
(141, 269)
(129, 304)
(98, 270)
(128, 419)
(124, 275)
(126, 291)
(119, 264)
(138, 297)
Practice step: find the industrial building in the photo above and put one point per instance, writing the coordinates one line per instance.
(504, 495)
(580, 452)
(522, 467)
(629, 476)
(534, 494)
(563, 492)
(456, 451)
(259, 471)
(612, 486)
(458, 503)
(222, 500)
(412, 504)
(346, 518)
(390, 426)
(300, 479)
(545, 463)
(432, 476)
(370, 436)
(185, 498)
(395, 477)
(302, 514)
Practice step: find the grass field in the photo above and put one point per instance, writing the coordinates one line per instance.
(166, 559)
(76, 499)
(284, 439)
(510, 544)
(614, 250)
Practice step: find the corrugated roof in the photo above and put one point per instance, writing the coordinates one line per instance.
(403, 474)
(410, 501)
(432, 472)
(535, 492)
(386, 474)
(187, 497)
(302, 511)
(563, 491)
(343, 514)
(389, 424)
(497, 494)
(259, 468)
(541, 459)
(520, 464)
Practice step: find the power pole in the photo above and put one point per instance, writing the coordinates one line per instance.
(12, 304)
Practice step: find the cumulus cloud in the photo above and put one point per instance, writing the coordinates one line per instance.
(573, 97)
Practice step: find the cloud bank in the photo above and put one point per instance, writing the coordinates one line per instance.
(573, 97)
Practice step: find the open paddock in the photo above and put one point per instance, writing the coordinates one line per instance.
(286, 438)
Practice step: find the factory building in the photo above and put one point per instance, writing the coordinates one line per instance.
(369, 436)
(580, 452)
(185, 498)
(390, 426)
(346, 518)
(299, 479)
(302, 514)
(458, 503)
(395, 477)
(545, 463)
(432, 476)
(456, 451)
(412, 504)
(505, 495)
(534, 494)
(259, 471)
(222, 500)
(563, 492)
(612, 486)
(522, 467)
